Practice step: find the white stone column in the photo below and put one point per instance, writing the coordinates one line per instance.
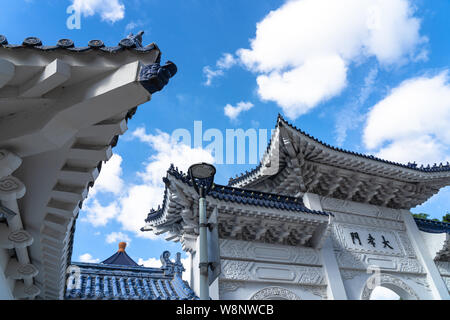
(14, 236)
(336, 288)
(438, 287)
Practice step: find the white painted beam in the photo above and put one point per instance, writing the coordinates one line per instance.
(97, 130)
(7, 70)
(55, 74)
(90, 153)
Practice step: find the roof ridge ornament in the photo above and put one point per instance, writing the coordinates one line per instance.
(170, 267)
(154, 77)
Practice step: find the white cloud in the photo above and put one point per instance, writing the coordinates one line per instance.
(87, 257)
(109, 179)
(381, 293)
(116, 237)
(109, 10)
(150, 263)
(133, 201)
(136, 202)
(224, 63)
(99, 215)
(302, 51)
(411, 123)
(233, 112)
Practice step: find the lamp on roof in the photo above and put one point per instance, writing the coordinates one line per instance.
(202, 176)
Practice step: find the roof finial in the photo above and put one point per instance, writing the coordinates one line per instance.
(122, 246)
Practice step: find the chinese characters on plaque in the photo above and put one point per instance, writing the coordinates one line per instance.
(371, 240)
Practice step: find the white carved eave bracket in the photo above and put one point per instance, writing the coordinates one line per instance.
(11, 189)
(444, 253)
(15, 239)
(47, 124)
(9, 163)
(21, 291)
(18, 271)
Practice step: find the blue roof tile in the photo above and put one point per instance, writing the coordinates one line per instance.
(431, 226)
(239, 195)
(91, 281)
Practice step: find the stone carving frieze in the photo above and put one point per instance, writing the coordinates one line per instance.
(443, 267)
(269, 272)
(235, 270)
(368, 221)
(391, 280)
(11, 189)
(410, 266)
(351, 260)
(274, 293)
(419, 280)
(268, 252)
(345, 206)
(350, 274)
(9, 163)
(229, 286)
(317, 291)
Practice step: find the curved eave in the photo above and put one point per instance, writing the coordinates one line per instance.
(168, 213)
(257, 175)
(88, 95)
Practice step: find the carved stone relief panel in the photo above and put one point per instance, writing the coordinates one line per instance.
(443, 267)
(345, 206)
(274, 293)
(237, 249)
(229, 286)
(387, 279)
(269, 272)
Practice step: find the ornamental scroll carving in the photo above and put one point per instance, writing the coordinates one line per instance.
(9, 163)
(11, 189)
(270, 272)
(274, 293)
(229, 286)
(345, 206)
(391, 281)
(237, 249)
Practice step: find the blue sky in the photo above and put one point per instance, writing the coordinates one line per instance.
(371, 77)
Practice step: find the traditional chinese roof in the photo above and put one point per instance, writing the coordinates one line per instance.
(432, 226)
(242, 212)
(62, 110)
(296, 162)
(92, 281)
(130, 43)
(240, 196)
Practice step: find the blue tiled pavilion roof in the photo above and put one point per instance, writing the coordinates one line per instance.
(431, 226)
(239, 195)
(413, 166)
(97, 281)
